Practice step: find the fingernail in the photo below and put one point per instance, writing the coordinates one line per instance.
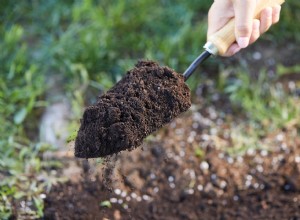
(243, 41)
(236, 50)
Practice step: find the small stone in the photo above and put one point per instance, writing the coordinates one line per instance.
(171, 179)
(113, 200)
(257, 55)
(117, 191)
(172, 185)
(146, 197)
(200, 187)
(204, 165)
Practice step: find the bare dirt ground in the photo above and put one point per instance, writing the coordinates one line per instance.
(167, 180)
(181, 175)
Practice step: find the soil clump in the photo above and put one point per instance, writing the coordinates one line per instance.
(148, 97)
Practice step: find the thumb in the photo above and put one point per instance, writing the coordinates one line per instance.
(244, 13)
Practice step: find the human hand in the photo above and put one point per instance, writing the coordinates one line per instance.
(247, 29)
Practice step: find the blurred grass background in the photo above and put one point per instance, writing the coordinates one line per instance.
(89, 45)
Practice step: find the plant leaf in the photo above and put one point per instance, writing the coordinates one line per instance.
(20, 116)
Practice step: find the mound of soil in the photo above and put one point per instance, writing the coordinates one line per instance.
(148, 97)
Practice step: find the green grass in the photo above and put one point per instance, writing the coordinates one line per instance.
(91, 44)
(268, 105)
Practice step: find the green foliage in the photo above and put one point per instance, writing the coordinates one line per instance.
(264, 100)
(21, 90)
(287, 28)
(106, 204)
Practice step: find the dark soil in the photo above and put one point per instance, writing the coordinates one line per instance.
(148, 97)
(168, 180)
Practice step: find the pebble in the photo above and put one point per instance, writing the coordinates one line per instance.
(124, 194)
(156, 189)
(195, 125)
(235, 198)
(204, 165)
(213, 176)
(43, 196)
(264, 153)
(190, 191)
(146, 197)
(172, 185)
(248, 183)
(259, 168)
(120, 201)
(230, 160)
(249, 177)
(292, 85)
(171, 179)
(117, 191)
(152, 176)
(251, 152)
(205, 137)
(257, 55)
(279, 137)
(192, 174)
(223, 184)
(133, 195)
(113, 200)
(200, 188)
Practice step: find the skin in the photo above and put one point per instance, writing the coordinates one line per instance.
(247, 29)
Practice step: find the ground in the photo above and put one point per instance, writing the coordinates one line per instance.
(166, 180)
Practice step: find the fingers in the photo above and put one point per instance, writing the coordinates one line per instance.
(276, 14)
(233, 49)
(255, 31)
(244, 13)
(266, 19)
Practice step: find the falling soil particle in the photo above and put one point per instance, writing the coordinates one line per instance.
(148, 97)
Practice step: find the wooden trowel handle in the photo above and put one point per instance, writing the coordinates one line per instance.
(222, 39)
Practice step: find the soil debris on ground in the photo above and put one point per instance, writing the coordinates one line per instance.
(148, 97)
(170, 179)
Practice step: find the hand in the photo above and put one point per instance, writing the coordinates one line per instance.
(247, 29)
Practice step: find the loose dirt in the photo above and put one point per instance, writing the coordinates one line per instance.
(167, 179)
(148, 97)
(181, 174)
